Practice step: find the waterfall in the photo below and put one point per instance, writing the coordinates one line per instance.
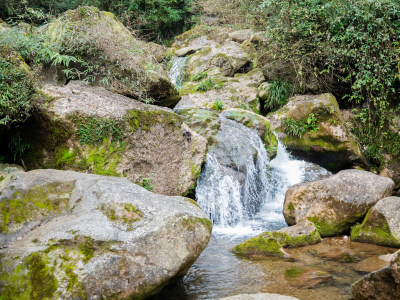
(240, 189)
(176, 71)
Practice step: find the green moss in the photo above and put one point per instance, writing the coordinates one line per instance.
(145, 120)
(294, 272)
(260, 246)
(39, 202)
(291, 206)
(191, 223)
(286, 240)
(327, 229)
(65, 157)
(124, 214)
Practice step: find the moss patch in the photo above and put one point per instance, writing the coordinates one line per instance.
(145, 120)
(39, 202)
(260, 246)
(294, 272)
(124, 214)
(191, 223)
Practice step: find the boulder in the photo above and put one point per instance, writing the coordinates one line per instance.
(271, 243)
(323, 139)
(6, 169)
(100, 38)
(380, 285)
(241, 36)
(259, 296)
(381, 225)
(91, 129)
(336, 203)
(68, 235)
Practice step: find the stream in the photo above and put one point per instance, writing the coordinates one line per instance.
(242, 191)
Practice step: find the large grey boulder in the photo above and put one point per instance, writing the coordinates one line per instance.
(104, 41)
(336, 203)
(381, 225)
(380, 285)
(93, 130)
(67, 235)
(325, 140)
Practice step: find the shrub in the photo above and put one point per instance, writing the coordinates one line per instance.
(205, 85)
(218, 105)
(198, 76)
(299, 128)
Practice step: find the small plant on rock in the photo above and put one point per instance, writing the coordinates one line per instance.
(218, 105)
(147, 184)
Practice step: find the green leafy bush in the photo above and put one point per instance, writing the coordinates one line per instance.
(147, 184)
(198, 76)
(299, 128)
(205, 85)
(218, 105)
(278, 93)
(94, 131)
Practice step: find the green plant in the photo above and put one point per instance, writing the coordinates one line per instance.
(299, 128)
(17, 146)
(205, 85)
(147, 184)
(198, 76)
(218, 105)
(278, 92)
(95, 130)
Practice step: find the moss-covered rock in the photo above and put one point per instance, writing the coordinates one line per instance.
(326, 140)
(90, 129)
(381, 224)
(85, 236)
(336, 203)
(271, 243)
(99, 37)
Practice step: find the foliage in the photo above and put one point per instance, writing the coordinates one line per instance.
(350, 47)
(16, 92)
(205, 85)
(299, 128)
(156, 19)
(278, 93)
(17, 146)
(377, 133)
(218, 105)
(96, 130)
(147, 184)
(198, 76)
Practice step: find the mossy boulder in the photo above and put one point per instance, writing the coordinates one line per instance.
(71, 235)
(99, 37)
(382, 284)
(381, 224)
(271, 243)
(336, 203)
(326, 141)
(91, 129)
(6, 169)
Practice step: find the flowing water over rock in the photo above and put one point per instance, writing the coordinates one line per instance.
(176, 71)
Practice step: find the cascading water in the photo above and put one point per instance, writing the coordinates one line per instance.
(176, 70)
(243, 192)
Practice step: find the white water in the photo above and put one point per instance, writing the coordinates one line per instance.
(240, 208)
(177, 71)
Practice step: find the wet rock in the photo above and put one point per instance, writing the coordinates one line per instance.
(259, 296)
(328, 143)
(383, 284)
(72, 235)
(93, 130)
(307, 279)
(270, 243)
(336, 203)
(135, 71)
(381, 226)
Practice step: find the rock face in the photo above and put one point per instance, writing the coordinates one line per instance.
(6, 169)
(135, 72)
(326, 141)
(220, 67)
(271, 243)
(380, 285)
(67, 235)
(93, 130)
(381, 225)
(336, 203)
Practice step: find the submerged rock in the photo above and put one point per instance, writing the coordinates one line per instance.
(325, 139)
(270, 243)
(336, 203)
(67, 235)
(134, 70)
(91, 129)
(381, 225)
(380, 285)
